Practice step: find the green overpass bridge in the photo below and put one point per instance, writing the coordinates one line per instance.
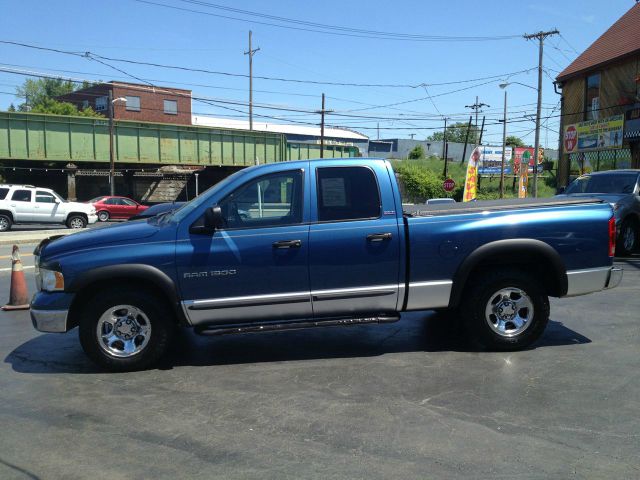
(57, 138)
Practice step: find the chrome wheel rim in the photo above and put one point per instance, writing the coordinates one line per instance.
(4, 224)
(509, 312)
(123, 331)
(629, 238)
(76, 223)
(103, 216)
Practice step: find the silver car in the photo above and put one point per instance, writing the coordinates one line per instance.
(621, 188)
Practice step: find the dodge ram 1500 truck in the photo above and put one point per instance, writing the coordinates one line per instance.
(319, 243)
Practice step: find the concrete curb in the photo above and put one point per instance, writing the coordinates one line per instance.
(20, 238)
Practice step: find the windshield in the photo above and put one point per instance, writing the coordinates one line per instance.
(187, 208)
(614, 183)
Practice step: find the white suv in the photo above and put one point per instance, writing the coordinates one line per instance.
(29, 204)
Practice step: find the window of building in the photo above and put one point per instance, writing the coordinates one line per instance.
(347, 193)
(101, 104)
(171, 107)
(85, 104)
(21, 196)
(592, 97)
(269, 201)
(133, 103)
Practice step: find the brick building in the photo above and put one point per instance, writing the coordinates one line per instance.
(601, 102)
(144, 103)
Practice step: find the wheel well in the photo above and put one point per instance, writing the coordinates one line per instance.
(533, 256)
(80, 214)
(7, 213)
(94, 289)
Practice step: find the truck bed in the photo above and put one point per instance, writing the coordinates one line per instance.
(491, 205)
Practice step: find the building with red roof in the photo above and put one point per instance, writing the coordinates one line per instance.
(601, 102)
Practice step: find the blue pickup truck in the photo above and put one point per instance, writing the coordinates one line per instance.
(319, 243)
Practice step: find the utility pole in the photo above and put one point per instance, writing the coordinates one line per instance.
(476, 107)
(541, 37)
(504, 145)
(322, 112)
(251, 53)
(444, 147)
(466, 140)
(111, 156)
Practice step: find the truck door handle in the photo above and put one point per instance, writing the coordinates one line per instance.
(379, 237)
(287, 244)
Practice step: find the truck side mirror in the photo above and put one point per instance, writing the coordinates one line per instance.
(211, 221)
(213, 218)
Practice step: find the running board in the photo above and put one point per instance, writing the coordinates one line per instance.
(292, 325)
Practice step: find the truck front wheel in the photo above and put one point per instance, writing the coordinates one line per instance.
(505, 310)
(124, 331)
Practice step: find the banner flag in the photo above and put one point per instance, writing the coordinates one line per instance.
(471, 180)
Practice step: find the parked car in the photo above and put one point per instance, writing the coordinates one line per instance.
(157, 210)
(620, 188)
(320, 243)
(439, 201)
(116, 208)
(22, 204)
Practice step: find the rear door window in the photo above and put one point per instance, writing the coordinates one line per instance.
(21, 196)
(3, 193)
(347, 193)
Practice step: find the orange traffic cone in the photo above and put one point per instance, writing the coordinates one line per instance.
(18, 294)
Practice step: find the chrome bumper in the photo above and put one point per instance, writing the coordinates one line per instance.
(615, 277)
(50, 321)
(581, 282)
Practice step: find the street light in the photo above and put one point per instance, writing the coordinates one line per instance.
(537, 142)
(112, 101)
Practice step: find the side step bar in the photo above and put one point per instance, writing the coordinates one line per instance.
(210, 330)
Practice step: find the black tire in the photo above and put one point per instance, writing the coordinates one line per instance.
(76, 221)
(152, 310)
(627, 241)
(5, 222)
(103, 216)
(482, 295)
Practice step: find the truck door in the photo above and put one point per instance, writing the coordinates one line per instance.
(354, 255)
(256, 266)
(46, 208)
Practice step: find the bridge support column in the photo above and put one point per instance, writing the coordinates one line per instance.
(71, 181)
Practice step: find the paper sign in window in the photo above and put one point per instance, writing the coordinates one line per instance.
(333, 192)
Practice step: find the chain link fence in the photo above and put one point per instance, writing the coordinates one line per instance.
(585, 162)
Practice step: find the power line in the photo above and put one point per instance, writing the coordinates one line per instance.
(306, 26)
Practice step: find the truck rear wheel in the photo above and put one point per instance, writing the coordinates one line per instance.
(505, 310)
(124, 331)
(5, 222)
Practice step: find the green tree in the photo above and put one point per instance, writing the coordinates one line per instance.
(40, 96)
(12, 108)
(417, 153)
(456, 133)
(514, 141)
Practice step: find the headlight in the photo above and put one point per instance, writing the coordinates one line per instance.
(49, 280)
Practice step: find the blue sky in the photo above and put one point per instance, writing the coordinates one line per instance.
(139, 31)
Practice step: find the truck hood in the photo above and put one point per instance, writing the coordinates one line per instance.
(79, 207)
(115, 234)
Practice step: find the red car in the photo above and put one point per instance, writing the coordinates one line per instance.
(116, 207)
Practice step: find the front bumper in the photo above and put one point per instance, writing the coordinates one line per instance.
(92, 218)
(581, 282)
(50, 321)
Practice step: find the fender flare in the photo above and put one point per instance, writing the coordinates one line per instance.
(506, 250)
(133, 271)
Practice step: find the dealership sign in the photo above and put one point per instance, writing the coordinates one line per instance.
(594, 135)
(491, 160)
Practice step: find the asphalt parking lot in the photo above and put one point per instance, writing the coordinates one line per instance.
(403, 400)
